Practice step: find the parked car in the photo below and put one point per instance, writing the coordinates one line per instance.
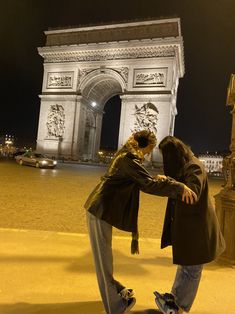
(35, 159)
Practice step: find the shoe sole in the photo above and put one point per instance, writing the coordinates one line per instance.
(130, 306)
(159, 305)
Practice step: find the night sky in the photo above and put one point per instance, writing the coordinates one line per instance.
(208, 28)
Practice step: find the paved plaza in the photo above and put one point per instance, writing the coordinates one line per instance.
(46, 262)
(44, 272)
(52, 200)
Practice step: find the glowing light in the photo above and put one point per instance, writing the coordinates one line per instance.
(94, 104)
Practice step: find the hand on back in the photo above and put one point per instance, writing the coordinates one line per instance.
(188, 196)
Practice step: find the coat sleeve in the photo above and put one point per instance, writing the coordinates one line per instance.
(146, 183)
(194, 178)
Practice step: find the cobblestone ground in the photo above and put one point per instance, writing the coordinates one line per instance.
(45, 199)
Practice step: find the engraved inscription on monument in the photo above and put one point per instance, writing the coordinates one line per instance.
(60, 79)
(150, 77)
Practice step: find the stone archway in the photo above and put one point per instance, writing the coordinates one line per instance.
(84, 67)
(96, 88)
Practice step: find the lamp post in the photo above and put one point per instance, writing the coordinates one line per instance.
(225, 199)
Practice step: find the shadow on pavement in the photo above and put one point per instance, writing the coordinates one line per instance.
(217, 265)
(128, 264)
(60, 308)
(149, 311)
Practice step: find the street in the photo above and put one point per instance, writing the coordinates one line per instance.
(52, 200)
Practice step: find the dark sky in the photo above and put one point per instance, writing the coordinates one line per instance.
(208, 28)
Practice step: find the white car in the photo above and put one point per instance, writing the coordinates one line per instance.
(35, 159)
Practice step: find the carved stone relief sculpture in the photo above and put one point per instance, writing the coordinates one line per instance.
(150, 77)
(146, 117)
(124, 71)
(60, 80)
(56, 121)
(85, 71)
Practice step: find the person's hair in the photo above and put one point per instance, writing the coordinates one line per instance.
(145, 138)
(175, 154)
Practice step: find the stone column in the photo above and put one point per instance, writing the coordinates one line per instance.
(98, 125)
(75, 113)
(225, 199)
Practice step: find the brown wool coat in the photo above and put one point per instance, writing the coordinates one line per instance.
(193, 230)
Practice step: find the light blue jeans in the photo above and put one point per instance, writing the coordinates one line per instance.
(100, 233)
(186, 284)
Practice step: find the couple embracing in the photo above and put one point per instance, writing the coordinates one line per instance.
(190, 225)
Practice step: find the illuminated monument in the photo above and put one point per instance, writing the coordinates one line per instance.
(225, 200)
(84, 67)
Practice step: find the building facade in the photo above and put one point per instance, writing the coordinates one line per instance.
(212, 163)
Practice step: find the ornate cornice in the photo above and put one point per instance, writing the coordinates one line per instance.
(51, 55)
(81, 53)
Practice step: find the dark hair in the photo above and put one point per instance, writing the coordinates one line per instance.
(145, 138)
(175, 154)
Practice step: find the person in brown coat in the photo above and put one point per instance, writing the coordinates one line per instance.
(191, 229)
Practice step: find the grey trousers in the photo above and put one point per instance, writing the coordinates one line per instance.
(100, 234)
(186, 284)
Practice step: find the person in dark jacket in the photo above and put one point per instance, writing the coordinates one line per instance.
(114, 203)
(191, 229)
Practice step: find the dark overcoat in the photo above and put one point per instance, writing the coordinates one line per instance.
(116, 198)
(193, 230)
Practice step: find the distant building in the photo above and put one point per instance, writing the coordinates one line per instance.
(106, 155)
(212, 163)
(7, 145)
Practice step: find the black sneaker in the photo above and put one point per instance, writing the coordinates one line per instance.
(166, 303)
(130, 303)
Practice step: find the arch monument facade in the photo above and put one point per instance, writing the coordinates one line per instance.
(84, 67)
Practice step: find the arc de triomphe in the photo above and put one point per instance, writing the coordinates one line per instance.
(84, 67)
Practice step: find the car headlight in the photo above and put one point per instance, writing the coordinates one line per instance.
(54, 162)
(44, 162)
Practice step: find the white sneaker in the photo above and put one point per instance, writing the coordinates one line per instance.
(127, 293)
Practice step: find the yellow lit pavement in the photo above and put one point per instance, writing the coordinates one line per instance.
(52, 273)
